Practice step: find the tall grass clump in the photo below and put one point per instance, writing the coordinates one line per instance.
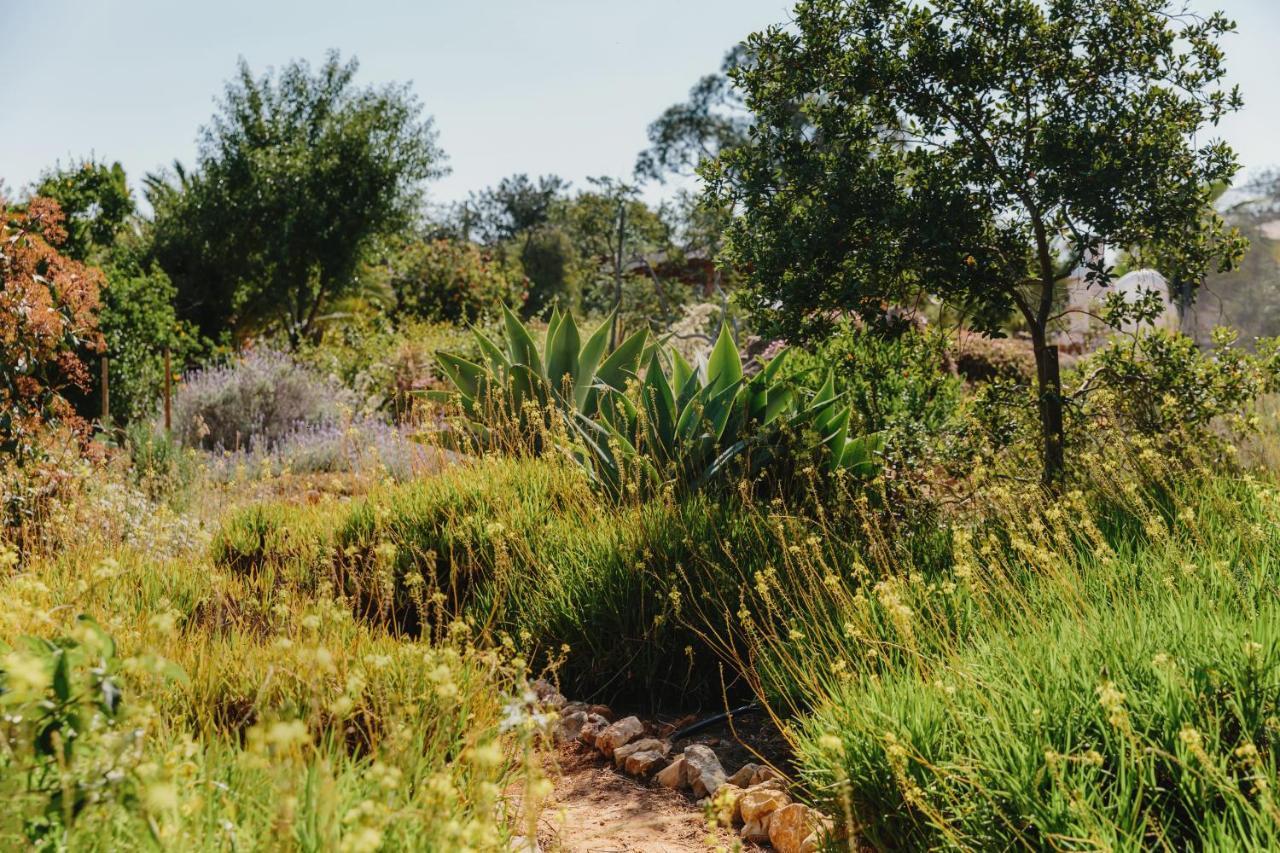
(1094, 670)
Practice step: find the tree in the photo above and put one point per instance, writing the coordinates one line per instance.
(298, 172)
(137, 319)
(452, 281)
(95, 200)
(515, 207)
(712, 121)
(981, 150)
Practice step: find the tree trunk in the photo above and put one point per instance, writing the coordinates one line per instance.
(1049, 391)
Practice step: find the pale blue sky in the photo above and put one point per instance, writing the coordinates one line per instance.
(564, 86)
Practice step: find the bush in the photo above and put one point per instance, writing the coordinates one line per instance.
(255, 401)
(40, 356)
(892, 379)
(452, 281)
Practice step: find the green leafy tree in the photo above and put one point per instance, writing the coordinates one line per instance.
(298, 173)
(452, 280)
(515, 207)
(711, 121)
(981, 150)
(96, 201)
(137, 318)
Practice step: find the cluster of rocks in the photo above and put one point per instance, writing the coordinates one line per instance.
(753, 799)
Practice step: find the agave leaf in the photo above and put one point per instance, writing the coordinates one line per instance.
(714, 470)
(780, 400)
(681, 371)
(624, 362)
(835, 440)
(467, 376)
(522, 348)
(498, 361)
(720, 406)
(562, 353)
(660, 404)
(588, 362)
(691, 413)
(724, 366)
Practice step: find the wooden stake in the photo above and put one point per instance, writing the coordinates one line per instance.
(106, 393)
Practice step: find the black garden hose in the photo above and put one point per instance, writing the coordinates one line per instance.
(694, 728)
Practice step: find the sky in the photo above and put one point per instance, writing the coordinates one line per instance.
(537, 86)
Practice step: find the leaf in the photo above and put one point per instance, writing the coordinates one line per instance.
(562, 353)
(520, 343)
(588, 361)
(724, 366)
(466, 376)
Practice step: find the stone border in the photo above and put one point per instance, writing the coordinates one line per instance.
(754, 798)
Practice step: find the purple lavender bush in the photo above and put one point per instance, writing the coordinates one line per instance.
(255, 401)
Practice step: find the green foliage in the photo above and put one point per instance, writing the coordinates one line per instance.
(96, 200)
(981, 152)
(692, 427)
(63, 729)
(1160, 384)
(298, 172)
(451, 281)
(891, 379)
(509, 395)
(138, 320)
(551, 264)
(1107, 693)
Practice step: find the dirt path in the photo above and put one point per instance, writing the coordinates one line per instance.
(595, 809)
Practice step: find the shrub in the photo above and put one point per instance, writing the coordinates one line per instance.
(452, 281)
(48, 318)
(892, 379)
(256, 400)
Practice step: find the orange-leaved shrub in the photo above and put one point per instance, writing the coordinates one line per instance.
(48, 320)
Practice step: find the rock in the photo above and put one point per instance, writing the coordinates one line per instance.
(674, 775)
(812, 842)
(745, 777)
(555, 700)
(765, 774)
(647, 744)
(725, 804)
(758, 802)
(603, 710)
(569, 727)
(520, 844)
(575, 707)
(543, 688)
(619, 734)
(789, 827)
(756, 831)
(592, 728)
(703, 769)
(644, 763)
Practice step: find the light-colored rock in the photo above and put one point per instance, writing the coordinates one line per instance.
(575, 707)
(555, 701)
(591, 730)
(758, 802)
(604, 711)
(724, 805)
(745, 777)
(766, 774)
(674, 775)
(703, 769)
(520, 844)
(756, 831)
(569, 726)
(646, 744)
(812, 842)
(619, 734)
(644, 763)
(543, 688)
(789, 827)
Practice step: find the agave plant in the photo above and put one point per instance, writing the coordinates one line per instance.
(516, 383)
(689, 427)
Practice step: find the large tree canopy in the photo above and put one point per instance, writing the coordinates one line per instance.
(297, 173)
(982, 150)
